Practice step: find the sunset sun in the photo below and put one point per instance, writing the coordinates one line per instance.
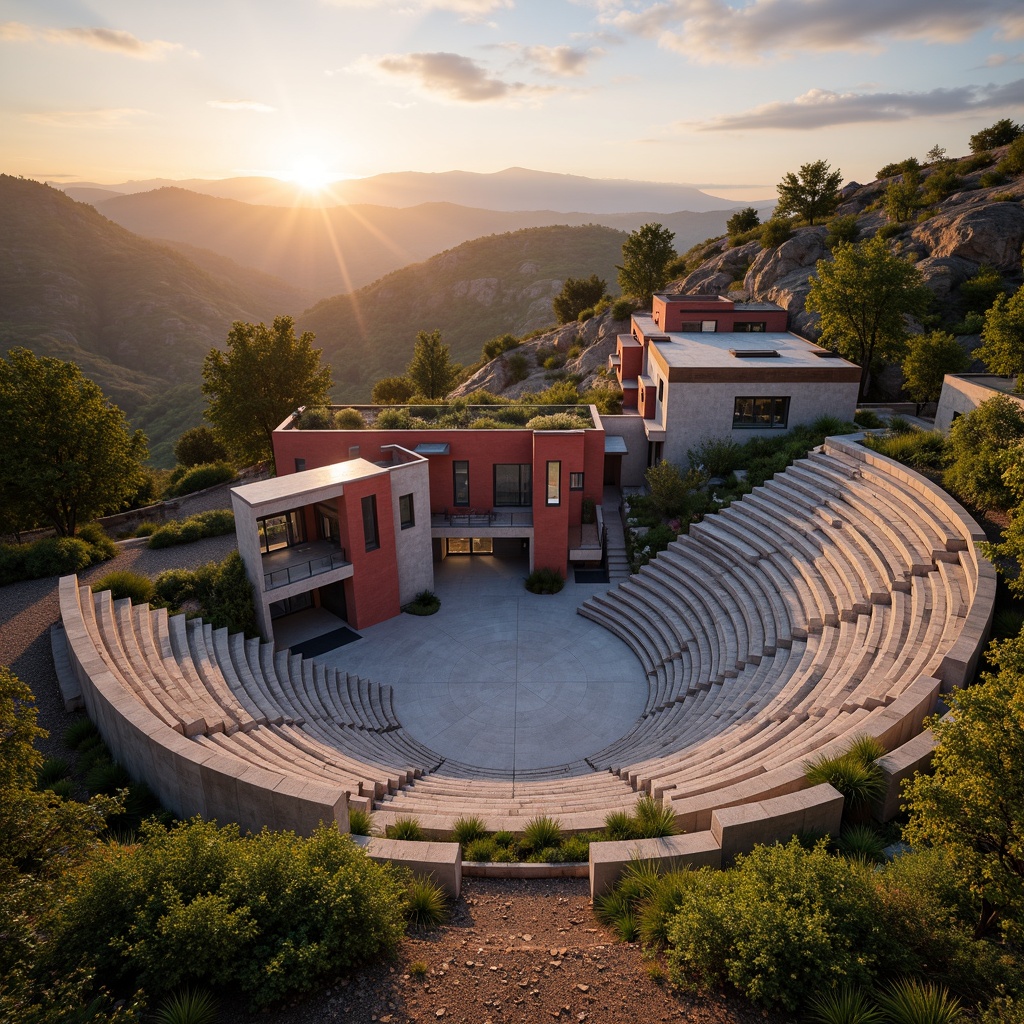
(310, 174)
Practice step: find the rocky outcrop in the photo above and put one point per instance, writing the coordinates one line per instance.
(782, 275)
(718, 274)
(992, 233)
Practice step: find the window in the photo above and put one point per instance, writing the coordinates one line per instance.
(513, 484)
(750, 326)
(280, 531)
(300, 465)
(327, 516)
(661, 389)
(760, 412)
(709, 326)
(690, 325)
(575, 481)
(460, 483)
(554, 487)
(406, 512)
(370, 534)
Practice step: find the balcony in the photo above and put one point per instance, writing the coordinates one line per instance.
(499, 518)
(290, 565)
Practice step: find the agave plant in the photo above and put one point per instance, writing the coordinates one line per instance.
(428, 904)
(620, 825)
(915, 1002)
(845, 1004)
(861, 784)
(861, 842)
(541, 832)
(360, 822)
(189, 1006)
(654, 820)
(406, 828)
(468, 829)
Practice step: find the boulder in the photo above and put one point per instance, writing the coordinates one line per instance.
(782, 275)
(943, 274)
(992, 233)
(714, 276)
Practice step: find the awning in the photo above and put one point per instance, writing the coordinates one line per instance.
(615, 445)
(433, 448)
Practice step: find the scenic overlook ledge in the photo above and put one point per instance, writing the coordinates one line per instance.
(512, 515)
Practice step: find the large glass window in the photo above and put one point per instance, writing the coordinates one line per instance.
(370, 534)
(760, 412)
(280, 531)
(460, 483)
(513, 484)
(554, 483)
(406, 511)
(750, 326)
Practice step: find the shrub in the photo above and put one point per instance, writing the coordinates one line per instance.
(890, 230)
(479, 849)
(716, 456)
(467, 829)
(920, 449)
(902, 167)
(426, 602)
(146, 529)
(861, 842)
(518, 367)
(52, 770)
(214, 523)
(545, 581)
(783, 924)
(189, 1006)
(979, 291)
(588, 511)
(622, 309)
(992, 178)
(868, 419)
(408, 829)
(198, 478)
(541, 832)
(915, 1002)
(844, 1004)
(1013, 162)
(970, 164)
(503, 838)
(841, 230)
(393, 419)
(123, 584)
(317, 418)
(575, 849)
(79, 733)
(64, 788)
(360, 822)
(188, 905)
(854, 772)
(620, 825)
(95, 536)
(349, 419)
(653, 820)
(106, 776)
(941, 183)
(555, 362)
(775, 232)
(221, 589)
(427, 903)
(199, 446)
(497, 346)
(978, 441)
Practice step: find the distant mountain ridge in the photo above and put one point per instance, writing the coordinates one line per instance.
(513, 189)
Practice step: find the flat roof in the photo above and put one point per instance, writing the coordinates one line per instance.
(615, 445)
(715, 350)
(295, 485)
(433, 448)
(1004, 385)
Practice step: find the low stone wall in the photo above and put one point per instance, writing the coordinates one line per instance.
(440, 862)
(187, 778)
(609, 860)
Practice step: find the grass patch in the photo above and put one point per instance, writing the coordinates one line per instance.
(426, 602)
(545, 581)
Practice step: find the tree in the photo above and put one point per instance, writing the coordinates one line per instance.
(1002, 133)
(431, 370)
(69, 454)
(392, 391)
(1008, 554)
(577, 294)
(1002, 337)
(980, 441)
(265, 374)
(972, 804)
(901, 196)
(936, 155)
(743, 220)
(198, 446)
(929, 359)
(811, 193)
(863, 295)
(645, 256)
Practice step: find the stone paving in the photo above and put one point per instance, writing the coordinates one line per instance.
(499, 678)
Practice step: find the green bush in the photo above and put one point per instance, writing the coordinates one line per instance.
(585, 314)
(890, 230)
(841, 230)
(715, 456)
(868, 419)
(427, 903)
(622, 309)
(497, 346)
(360, 822)
(221, 589)
(992, 178)
(392, 419)
(919, 449)
(854, 773)
(914, 1002)
(942, 183)
(479, 850)
(518, 367)
(541, 833)
(1013, 162)
(861, 842)
(198, 478)
(466, 830)
(619, 825)
(199, 446)
(214, 523)
(189, 905)
(317, 418)
(653, 820)
(978, 442)
(975, 162)
(408, 829)
(979, 291)
(123, 584)
(55, 556)
(426, 602)
(189, 1006)
(349, 419)
(902, 167)
(545, 581)
(844, 1004)
(146, 529)
(52, 770)
(96, 537)
(784, 924)
(775, 232)
(79, 733)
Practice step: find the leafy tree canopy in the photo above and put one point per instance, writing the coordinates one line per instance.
(863, 295)
(972, 805)
(645, 257)
(431, 370)
(1008, 554)
(902, 197)
(743, 220)
(577, 294)
(1002, 133)
(198, 446)
(929, 358)
(811, 193)
(980, 442)
(1002, 348)
(69, 454)
(265, 373)
(392, 391)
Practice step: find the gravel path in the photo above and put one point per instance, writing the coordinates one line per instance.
(514, 951)
(27, 610)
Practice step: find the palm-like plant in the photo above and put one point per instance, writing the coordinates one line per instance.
(189, 1006)
(845, 1004)
(915, 1002)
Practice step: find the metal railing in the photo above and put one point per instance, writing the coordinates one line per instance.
(303, 570)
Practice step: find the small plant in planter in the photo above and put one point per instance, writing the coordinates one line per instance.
(588, 512)
(426, 602)
(545, 581)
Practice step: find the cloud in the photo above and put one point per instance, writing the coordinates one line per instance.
(997, 60)
(469, 10)
(253, 105)
(104, 118)
(710, 31)
(821, 108)
(450, 76)
(560, 61)
(109, 40)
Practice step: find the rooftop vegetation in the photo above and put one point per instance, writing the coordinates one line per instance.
(456, 415)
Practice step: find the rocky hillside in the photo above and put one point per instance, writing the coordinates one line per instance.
(950, 241)
(479, 290)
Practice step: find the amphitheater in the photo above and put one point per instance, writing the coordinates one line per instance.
(839, 599)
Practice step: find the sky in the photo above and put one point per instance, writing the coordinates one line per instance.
(728, 95)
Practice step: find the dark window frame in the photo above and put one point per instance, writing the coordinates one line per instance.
(575, 481)
(460, 466)
(761, 415)
(371, 533)
(557, 499)
(406, 521)
(524, 489)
